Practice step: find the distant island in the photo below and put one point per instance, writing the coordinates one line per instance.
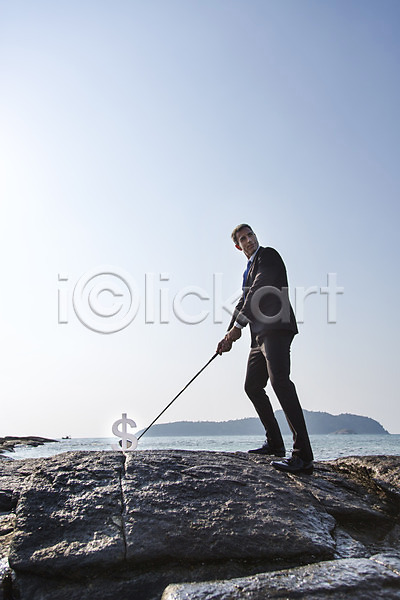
(317, 423)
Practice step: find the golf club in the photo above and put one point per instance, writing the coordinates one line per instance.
(177, 396)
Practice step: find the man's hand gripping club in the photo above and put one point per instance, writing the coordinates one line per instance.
(226, 343)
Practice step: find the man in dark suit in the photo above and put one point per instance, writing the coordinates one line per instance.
(265, 305)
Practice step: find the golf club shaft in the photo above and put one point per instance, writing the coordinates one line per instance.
(177, 396)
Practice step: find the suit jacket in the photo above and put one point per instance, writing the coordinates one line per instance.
(265, 303)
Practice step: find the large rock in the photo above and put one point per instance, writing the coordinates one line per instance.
(102, 525)
(69, 515)
(357, 579)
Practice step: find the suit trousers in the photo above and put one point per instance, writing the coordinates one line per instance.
(270, 359)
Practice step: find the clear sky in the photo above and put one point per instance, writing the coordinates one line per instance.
(134, 136)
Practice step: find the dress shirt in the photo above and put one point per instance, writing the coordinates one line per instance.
(238, 325)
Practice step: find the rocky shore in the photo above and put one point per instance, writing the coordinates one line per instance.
(182, 525)
(8, 443)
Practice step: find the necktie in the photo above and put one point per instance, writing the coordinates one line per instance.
(245, 277)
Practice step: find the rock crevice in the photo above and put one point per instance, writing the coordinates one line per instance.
(121, 474)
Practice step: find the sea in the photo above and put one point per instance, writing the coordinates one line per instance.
(325, 447)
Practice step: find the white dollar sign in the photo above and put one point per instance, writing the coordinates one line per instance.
(128, 441)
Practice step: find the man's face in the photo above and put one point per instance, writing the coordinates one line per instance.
(247, 241)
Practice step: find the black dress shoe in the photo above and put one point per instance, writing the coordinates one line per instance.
(266, 449)
(294, 465)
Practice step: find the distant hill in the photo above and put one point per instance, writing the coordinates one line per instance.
(317, 423)
(322, 422)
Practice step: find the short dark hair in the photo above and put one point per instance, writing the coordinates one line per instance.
(236, 231)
